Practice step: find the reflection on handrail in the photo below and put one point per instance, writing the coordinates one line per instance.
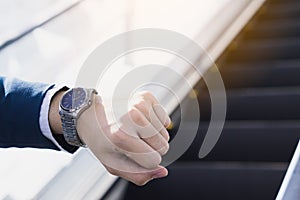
(290, 188)
(21, 29)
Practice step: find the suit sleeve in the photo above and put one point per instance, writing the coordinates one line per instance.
(20, 104)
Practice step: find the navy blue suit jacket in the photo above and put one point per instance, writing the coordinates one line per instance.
(20, 104)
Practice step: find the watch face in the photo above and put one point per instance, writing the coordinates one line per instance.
(73, 99)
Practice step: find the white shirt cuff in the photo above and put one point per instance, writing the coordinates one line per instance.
(44, 120)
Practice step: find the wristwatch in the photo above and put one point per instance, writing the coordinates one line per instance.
(73, 103)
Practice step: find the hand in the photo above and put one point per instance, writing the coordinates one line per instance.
(130, 147)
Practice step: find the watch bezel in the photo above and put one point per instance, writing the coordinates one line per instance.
(86, 101)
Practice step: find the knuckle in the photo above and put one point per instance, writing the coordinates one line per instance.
(119, 137)
(155, 162)
(147, 94)
(165, 149)
(167, 137)
(151, 161)
(136, 116)
(142, 105)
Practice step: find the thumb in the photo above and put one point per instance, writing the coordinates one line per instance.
(142, 178)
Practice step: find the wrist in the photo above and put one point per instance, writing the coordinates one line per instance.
(54, 117)
(87, 122)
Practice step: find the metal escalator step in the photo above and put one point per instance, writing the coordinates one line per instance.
(256, 104)
(282, 73)
(274, 29)
(278, 2)
(251, 141)
(279, 10)
(267, 49)
(214, 181)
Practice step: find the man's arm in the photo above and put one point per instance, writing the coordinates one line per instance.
(20, 104)
(130, 147)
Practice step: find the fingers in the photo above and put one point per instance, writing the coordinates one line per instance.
(148, 112)
(158, 109)
(162, 114)
(158, 143)
(153, 111)
(136, 149)
(148, 133)
(147, 123)
(157, 119)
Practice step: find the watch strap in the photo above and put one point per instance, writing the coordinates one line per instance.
(70, 132)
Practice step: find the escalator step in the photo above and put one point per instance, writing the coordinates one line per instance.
(281, 2)
(279, 10)
(256, 104)
(267, 49)
(249, 141)
(212, 181)
(273, 29)
(261, 74)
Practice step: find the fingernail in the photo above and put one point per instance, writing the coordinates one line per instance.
(169, 121)
(159, 174)
(170, 126)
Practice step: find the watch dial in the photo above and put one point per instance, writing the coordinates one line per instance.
(73, 99)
